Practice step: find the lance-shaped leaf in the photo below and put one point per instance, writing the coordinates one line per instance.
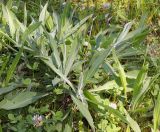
(13, 66)
(138, 87)
(10, 18)
(20, 100)
(84, 110)
(29, 30)
(156, 114)
(121, 72)
(95, 62)
(4, 65)
(72, 56)
(77, 26)
(9, 88)
(42, 16)
(133, 124)
(107, 86)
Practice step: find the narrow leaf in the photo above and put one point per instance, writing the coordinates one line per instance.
(10, 19)
(107, 86)
(9, 88)
(94, 65)
(138, 85)
(121, 73)
(77, 26)
(29, 30)
(25, 15)
(133, 124)
(4, 65)
(85, 112)
(21, 100)
(13, 66)
(123, 34)
(72, 56)
(42, 16)
(156, 114)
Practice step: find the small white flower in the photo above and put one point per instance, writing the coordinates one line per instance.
(37, 120)
(113, 105)
(86, 43)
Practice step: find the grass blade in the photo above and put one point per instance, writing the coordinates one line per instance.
(94, 65)
(25, 15)
(138, 85)
(133, 124)
(125, 31)
(156, 114)
(109, 69)
(72, 56)
(42, 16)
(80, 90)
(122, 74)
(4, 65)
(147, 84)
(107, 86)
(77, 26)
(13, 66)
(84, 110)
(10, 19)
(123, 34)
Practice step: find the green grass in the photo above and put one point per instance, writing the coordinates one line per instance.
(69, 69)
